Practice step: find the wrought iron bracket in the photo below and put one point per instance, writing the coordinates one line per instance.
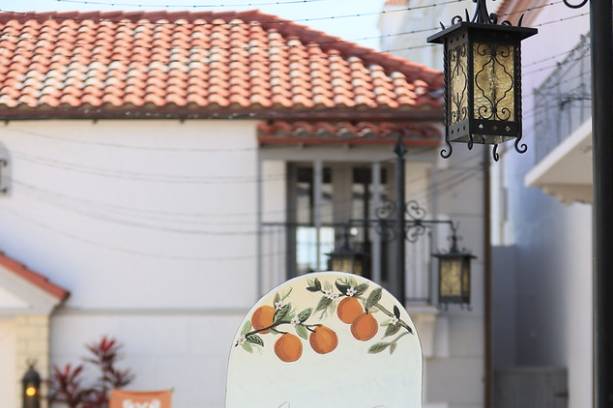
(575, 6)
(415, 226)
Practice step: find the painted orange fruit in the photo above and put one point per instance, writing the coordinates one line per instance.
(349, 309)
(288, 348)
(364, 327)
(262, 317)
(323, 340)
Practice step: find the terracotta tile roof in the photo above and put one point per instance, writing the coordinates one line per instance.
(396, 2)
(302, 132)
(34, 278)
(240, 64)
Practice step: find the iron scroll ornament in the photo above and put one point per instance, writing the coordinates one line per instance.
(575, 6)
(416, 224)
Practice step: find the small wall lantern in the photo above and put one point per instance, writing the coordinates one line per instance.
(31, 382)
(482, 65)
(346, 259)
(454, 280)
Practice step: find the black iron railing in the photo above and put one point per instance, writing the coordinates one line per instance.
(291, 249)
(562, 102)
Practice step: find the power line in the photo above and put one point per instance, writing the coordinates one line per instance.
(366, 50)
(188, 149)
(110, 212)
(165, 149)
(274, 21)
(189, 6)
(138, 176)
(154, 255)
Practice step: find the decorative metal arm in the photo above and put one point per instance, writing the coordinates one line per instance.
(575, 6)
(415, 225)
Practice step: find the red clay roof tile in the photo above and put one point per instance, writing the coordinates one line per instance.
(119, 64)
(354, 133)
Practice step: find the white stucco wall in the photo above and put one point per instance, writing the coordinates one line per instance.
(8, 376)
(552, 241)
(455, 375)
(151, 226)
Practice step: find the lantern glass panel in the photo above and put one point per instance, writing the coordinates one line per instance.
(494, 78)
(450, 278)
(347, 263)
(466, 279)
(458, 86)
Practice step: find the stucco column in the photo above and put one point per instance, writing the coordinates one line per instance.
(32, 344)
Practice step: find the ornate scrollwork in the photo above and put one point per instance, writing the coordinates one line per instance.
(495, 154)
(386, 230)
(386, 210)
(414, 211)
(446, 152)
(575, 6)
(520, 147)
(384, 225)
(459, 84)
(492, 64)
(415, 231)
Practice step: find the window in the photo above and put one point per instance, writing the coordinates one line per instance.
(346, 199)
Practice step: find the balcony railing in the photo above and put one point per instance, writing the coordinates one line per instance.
(562, 102)
(290, 249)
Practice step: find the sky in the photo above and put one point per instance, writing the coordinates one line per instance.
(351, 28)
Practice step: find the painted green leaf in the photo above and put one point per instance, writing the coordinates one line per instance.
(393, 347)
(328, 286)
(247, 347)
(287, 294)
(361, 288)
(304, 315)
(281, 313)
(331, 308)
(324, 302)
(277, 299)
(342, 287)
(315, 286)
(396, 312)
(255, 339)
(246, 327)
(378, 347)
(302, 332)
(373, 298)
(392, 329)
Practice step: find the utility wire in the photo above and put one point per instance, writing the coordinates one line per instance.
(189, 216)
(113, 213)
(189, 6)
(146, 148)
(274, 21)
(398, 34)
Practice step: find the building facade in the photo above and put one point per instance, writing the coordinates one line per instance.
(542, 220)
(167, 169)
(459, 376)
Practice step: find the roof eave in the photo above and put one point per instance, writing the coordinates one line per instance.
(423, 114)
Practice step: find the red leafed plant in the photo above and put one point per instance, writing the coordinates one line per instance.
(66, 384)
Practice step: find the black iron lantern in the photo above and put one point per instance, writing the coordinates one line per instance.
(346, 259)
(454, 281)
(31, 382)
(482, 64)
